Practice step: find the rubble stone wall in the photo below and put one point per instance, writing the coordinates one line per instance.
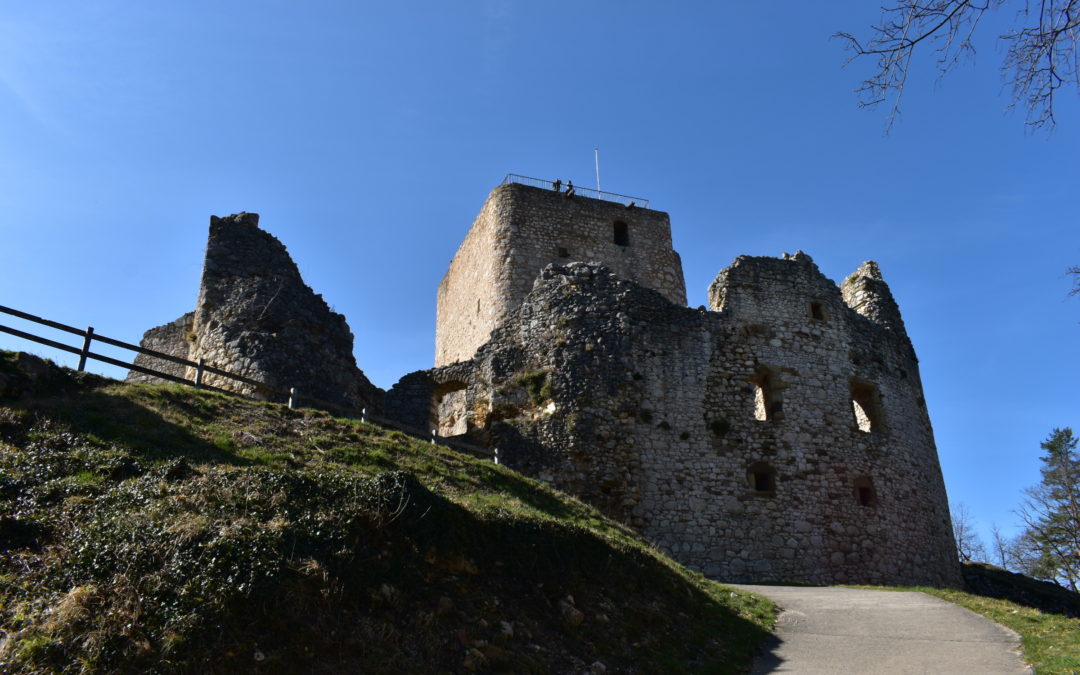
(731, 438)
(175, 339)
(256, 317)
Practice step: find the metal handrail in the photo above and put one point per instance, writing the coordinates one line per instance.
(625, 200)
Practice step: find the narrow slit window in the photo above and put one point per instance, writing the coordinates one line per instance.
(622, 233)
(768, 404)
(761, 409)
(866, 406)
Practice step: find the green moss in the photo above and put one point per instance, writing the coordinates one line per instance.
(537, 384)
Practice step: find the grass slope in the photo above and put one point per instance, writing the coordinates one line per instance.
(161, 529)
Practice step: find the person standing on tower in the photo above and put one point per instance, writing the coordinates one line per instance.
(557, 185)
(569, 188)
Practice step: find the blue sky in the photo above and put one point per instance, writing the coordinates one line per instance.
(367, 136)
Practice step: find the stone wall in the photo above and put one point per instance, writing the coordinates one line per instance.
(256, 317)
(781, 436)
(174, 339)
(519, 231)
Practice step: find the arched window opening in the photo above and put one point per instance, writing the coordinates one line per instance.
(866, 406)
(622, 233)
(761, 478)
(865, 495)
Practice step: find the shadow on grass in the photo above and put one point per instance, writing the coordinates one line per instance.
(993, 582)
(636, 612)
(120, 421)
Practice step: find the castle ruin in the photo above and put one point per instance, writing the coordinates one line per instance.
(781, 434)
(256, 317)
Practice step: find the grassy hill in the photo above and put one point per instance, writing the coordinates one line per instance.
(162, 529)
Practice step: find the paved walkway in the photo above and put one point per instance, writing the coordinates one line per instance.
(848, 630)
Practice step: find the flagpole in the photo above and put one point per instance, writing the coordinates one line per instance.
(596, 157)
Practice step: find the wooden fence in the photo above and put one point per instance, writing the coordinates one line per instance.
(201, 368)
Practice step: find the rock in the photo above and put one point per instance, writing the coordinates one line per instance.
(570, 614)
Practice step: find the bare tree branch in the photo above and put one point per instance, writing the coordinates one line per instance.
(1041, 56)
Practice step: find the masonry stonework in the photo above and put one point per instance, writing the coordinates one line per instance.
(256, 317)
(780, 435)
(519, 231)
(174, 339)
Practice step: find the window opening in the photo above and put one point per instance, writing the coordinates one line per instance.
(768, 404)
(817, 311)
(866, 406)
(762, 478)
(563, 253)
(622, 233)
(864, 492)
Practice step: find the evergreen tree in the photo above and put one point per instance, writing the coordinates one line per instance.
(1051, 512)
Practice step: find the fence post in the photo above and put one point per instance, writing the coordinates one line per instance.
(85, 348)
(199, 373)
(292, 398)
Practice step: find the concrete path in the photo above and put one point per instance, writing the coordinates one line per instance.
(848, 630)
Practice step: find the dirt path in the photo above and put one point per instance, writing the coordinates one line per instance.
(847, 630)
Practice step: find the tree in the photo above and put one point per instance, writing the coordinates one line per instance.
(1002, 548)
(1040, 58)
(1051, 513)
(968, 544)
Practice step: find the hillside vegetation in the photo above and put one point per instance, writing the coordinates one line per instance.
(161, 529)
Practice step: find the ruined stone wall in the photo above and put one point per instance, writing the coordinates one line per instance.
(519, 231)
(781, 436)
(256, 317)
(175, 339)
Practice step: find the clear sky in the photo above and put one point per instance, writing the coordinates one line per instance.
(368, 134)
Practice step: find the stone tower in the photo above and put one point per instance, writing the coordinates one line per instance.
(520, 230)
